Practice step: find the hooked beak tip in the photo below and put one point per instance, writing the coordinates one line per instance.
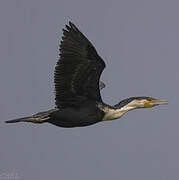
(159, 101)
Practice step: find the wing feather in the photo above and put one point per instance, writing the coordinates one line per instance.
(78, 70)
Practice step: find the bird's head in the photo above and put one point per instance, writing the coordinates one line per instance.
(128, 104)
(140, 102)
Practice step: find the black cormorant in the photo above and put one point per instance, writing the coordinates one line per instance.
(77, 87)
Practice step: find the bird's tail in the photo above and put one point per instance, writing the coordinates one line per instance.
(24, 119)
(40, 117)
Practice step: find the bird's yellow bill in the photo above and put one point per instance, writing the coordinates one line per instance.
(155, 102)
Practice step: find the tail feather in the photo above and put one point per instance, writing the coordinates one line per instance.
(24, 119)
(40, 117)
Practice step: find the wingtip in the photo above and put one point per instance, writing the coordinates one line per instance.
(72, 25)
(12, 121)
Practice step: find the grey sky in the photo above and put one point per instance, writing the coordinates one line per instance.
(139, 41)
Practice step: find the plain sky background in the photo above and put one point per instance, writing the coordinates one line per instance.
(139, 41)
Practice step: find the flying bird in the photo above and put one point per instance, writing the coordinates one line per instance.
(77, 87)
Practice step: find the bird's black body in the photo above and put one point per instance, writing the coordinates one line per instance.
(84, 115)
(77, 87)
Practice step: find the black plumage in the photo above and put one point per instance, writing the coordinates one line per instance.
(78, 70)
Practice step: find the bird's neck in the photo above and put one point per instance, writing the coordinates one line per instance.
(112, 113)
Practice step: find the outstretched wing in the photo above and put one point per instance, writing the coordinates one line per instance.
(78, 70)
